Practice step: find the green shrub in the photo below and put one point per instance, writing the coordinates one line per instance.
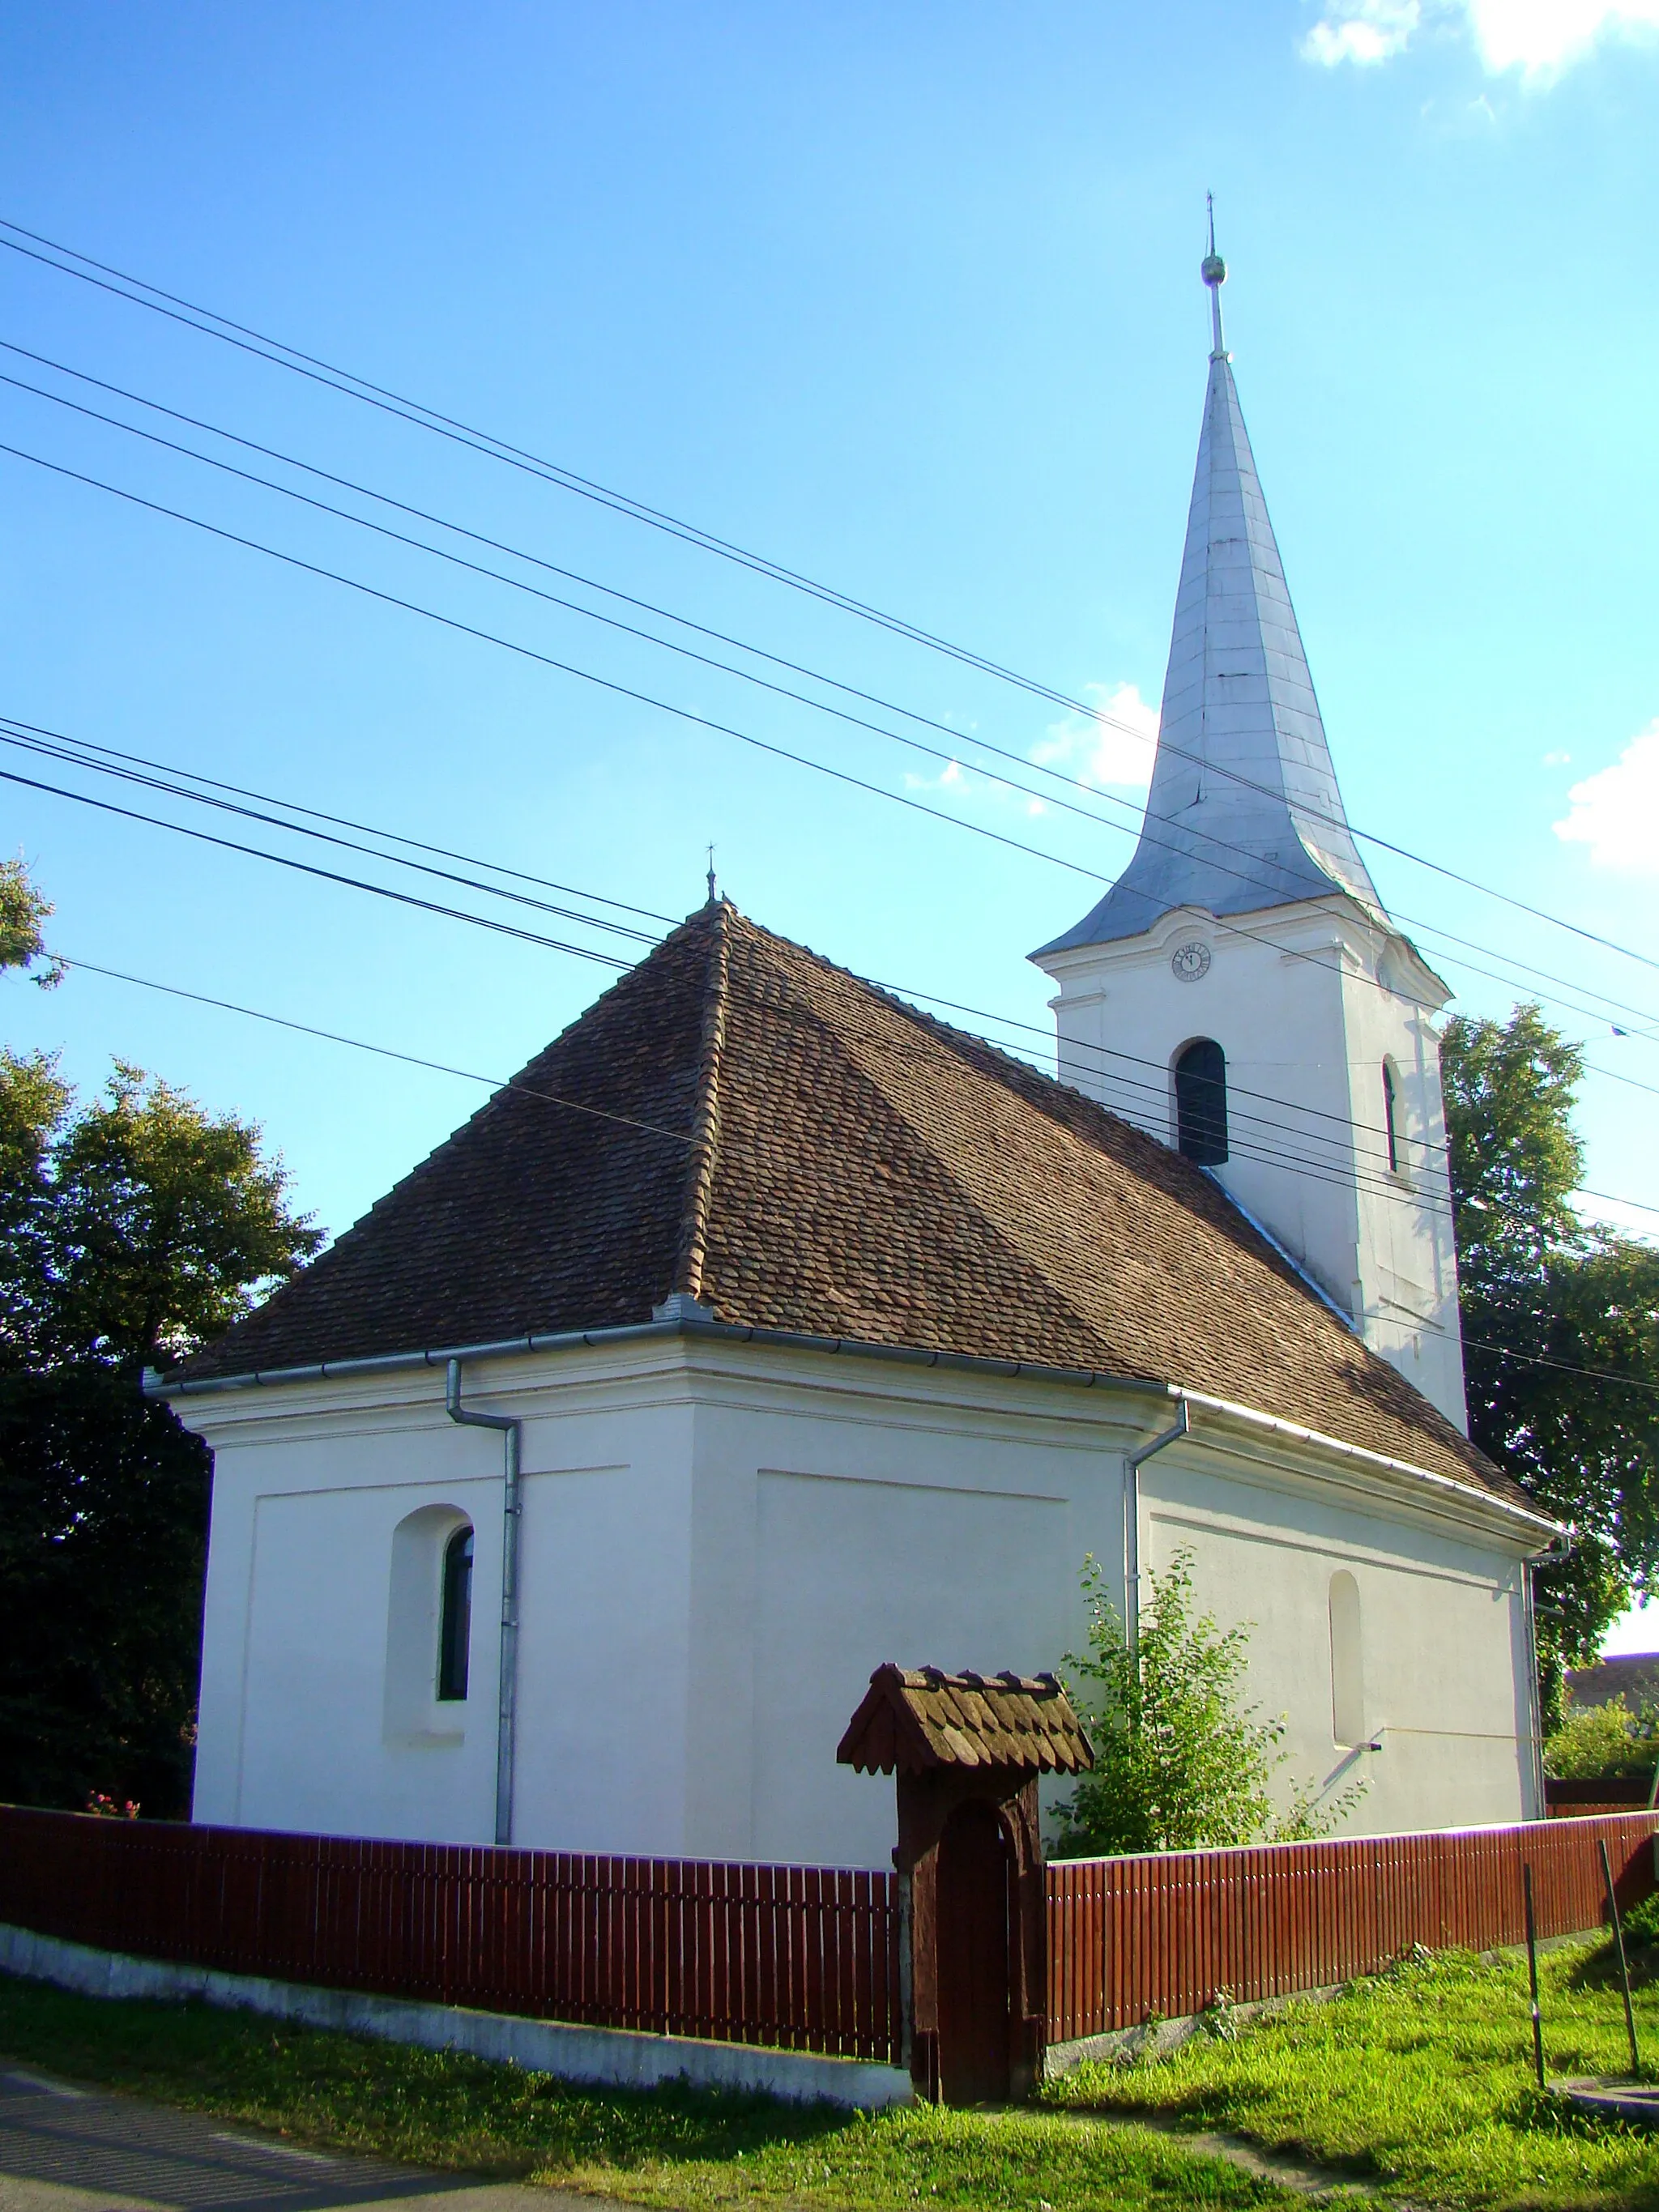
(1596, 1741)
(1181, 1760)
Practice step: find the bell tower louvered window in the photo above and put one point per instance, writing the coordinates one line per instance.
(1200, 1096)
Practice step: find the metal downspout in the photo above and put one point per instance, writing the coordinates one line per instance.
(1561, 1548)
(1131, 1467)
(509, 1655)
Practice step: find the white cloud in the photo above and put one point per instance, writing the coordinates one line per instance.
(955, 782)
(1615, 812)
(1363, 31)
(1556, 760)
(1539, 37)
(1112, 747)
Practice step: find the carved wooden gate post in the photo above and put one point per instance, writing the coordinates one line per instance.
(967, 1750)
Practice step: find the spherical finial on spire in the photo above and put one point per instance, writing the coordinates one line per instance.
(1213, 269)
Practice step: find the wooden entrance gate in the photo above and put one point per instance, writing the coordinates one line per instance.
(975, 1906)
(967, 1750)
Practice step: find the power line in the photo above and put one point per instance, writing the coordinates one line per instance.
(324, 875)
(159, 783)
(548, 661)
(55, 745)
(1332, 1172)
(553, 1099)
(1223, 924)
(960, 742)
(75, 748)
(1257, 1149)
(381, 1051)
(208, 323)
(513, 583)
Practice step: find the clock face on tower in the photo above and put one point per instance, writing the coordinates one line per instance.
(1190, 962)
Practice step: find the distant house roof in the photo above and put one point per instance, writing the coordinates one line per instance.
(919, 1717)
(1634, 1677)
(737, 1121)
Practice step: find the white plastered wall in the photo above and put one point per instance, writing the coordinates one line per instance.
(1305, 1001)
(719, 1544)
(1443, 1635)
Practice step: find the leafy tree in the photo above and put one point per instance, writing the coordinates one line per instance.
(166, 1223)
(1180, 1759)
(103, 1544)
(132, 1229)
(23, 912)
(1594, 1740)
(1545, 1297)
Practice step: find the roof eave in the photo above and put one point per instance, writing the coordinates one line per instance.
(1469, 1495)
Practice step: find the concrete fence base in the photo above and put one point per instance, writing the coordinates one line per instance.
(607, 2057)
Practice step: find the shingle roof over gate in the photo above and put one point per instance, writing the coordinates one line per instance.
(738, 1119)
(916, 1717)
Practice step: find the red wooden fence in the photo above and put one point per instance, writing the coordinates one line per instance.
(1577, 1801)
(1130, 1938)
(801, 1958)
(797, 1957)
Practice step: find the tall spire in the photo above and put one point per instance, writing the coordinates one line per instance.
(1243, 813)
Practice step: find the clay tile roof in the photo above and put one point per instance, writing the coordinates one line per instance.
(918, 1718)
(739, 1120)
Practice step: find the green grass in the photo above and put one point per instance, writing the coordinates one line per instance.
(1420, 2080)
(1417, 2083)
(661, 2148)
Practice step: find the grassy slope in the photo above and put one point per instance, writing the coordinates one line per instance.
(661, 2148)
(1421, 2080)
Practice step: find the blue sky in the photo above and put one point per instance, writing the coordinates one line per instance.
(908, 301)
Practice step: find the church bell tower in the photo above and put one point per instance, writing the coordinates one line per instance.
(1240, 990)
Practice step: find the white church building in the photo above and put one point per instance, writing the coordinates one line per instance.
(764, 1329)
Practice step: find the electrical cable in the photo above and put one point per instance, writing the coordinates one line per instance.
(1223, 924)
(358, 1044)
(325, 875)
(73, 749)
(496, 1083)
(273, 821)
(548, 661)
(1245, 1148)
(1331, 1173)
(55, 745)
(960, 742)
(281, 355)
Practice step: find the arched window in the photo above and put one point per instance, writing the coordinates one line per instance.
(1201, 1089)
(455, 1617)
(1347, 1667)
(1391, 1114)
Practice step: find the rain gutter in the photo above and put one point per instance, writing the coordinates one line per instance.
(965, 1363)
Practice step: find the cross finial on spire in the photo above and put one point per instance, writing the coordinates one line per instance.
(1213, 269)
(711, 876)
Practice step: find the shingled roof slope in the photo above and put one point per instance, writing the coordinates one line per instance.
(914, 1717)
(801, 1151)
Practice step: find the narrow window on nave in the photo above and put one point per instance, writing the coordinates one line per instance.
(455, 1622)
(1348, 1662)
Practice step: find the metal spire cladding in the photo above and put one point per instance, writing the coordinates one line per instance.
(1243, 813)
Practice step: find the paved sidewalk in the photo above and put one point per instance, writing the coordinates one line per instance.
(64, 2149)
